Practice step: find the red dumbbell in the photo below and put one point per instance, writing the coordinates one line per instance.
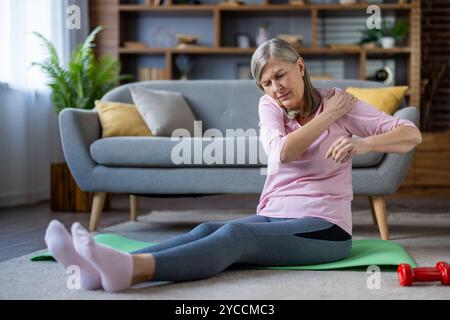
(408, 275)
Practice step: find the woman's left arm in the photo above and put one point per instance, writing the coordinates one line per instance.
(375, 131)
(400, 140)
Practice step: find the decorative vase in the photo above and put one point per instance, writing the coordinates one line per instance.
(262, 36)
(184, 65)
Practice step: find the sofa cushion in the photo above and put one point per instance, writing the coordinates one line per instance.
(168, 152)
(385, 99)
(120, 119)
(163, 111)
(176, 152)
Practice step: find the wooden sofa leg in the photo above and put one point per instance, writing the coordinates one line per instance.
(372, 210)
(379, 207)
(133, 207)
(97, 208)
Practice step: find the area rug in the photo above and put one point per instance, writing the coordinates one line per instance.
(425, 236)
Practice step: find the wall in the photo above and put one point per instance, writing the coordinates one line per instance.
(436, 48)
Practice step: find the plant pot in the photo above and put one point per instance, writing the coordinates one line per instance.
(387, 42)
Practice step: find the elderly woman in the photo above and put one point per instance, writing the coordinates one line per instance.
(304, 213)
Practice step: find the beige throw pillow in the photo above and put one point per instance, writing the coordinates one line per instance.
(163, 111)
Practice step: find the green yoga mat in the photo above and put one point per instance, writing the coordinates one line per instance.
(364, 253)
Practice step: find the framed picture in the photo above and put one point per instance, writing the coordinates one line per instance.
(243, 71)
(242, 40)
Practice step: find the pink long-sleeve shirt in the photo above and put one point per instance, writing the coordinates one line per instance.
(312, 185)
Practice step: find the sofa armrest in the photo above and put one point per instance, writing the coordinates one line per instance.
(410, 113)
(392, 169)
(79, 129)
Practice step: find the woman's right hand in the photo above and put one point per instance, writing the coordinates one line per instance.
(338, 103)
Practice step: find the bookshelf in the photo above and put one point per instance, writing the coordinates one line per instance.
(217, 24)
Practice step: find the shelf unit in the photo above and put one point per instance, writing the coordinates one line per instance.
(125, 20)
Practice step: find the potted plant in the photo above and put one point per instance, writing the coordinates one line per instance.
(400, 31)
(387, 39)
(394, 33)
(370, 37)
(84, 80)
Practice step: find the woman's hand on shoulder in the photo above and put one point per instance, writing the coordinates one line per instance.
(338, 102)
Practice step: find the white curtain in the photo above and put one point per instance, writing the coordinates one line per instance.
(29, 135)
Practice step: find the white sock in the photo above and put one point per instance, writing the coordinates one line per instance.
(115, 267)
(59, 243)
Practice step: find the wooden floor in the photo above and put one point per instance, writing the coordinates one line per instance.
(22, 228)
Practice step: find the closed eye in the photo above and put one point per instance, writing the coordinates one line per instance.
(278, 76)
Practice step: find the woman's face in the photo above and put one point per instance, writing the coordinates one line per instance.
(283, 81)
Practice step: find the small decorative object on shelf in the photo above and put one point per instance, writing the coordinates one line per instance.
(135, 45)
(294, 40)
(232, 3)
(184, 65)
(263, 34)
(347, 2)
(297, 2)
(387, 42)
(188, 41)
(186, 38)
(154, 3)
(191, 46)
(385, 75)
(243, 40)
(369, 45)
(163, 38)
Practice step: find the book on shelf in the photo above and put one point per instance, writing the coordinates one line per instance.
(151, 73)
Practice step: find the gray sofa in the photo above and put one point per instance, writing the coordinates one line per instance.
(144, 165)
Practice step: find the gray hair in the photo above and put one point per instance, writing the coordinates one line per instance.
(281, 50)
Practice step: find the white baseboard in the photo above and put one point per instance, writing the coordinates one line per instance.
(18, 199)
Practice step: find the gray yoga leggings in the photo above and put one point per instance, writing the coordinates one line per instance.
(213, 246)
